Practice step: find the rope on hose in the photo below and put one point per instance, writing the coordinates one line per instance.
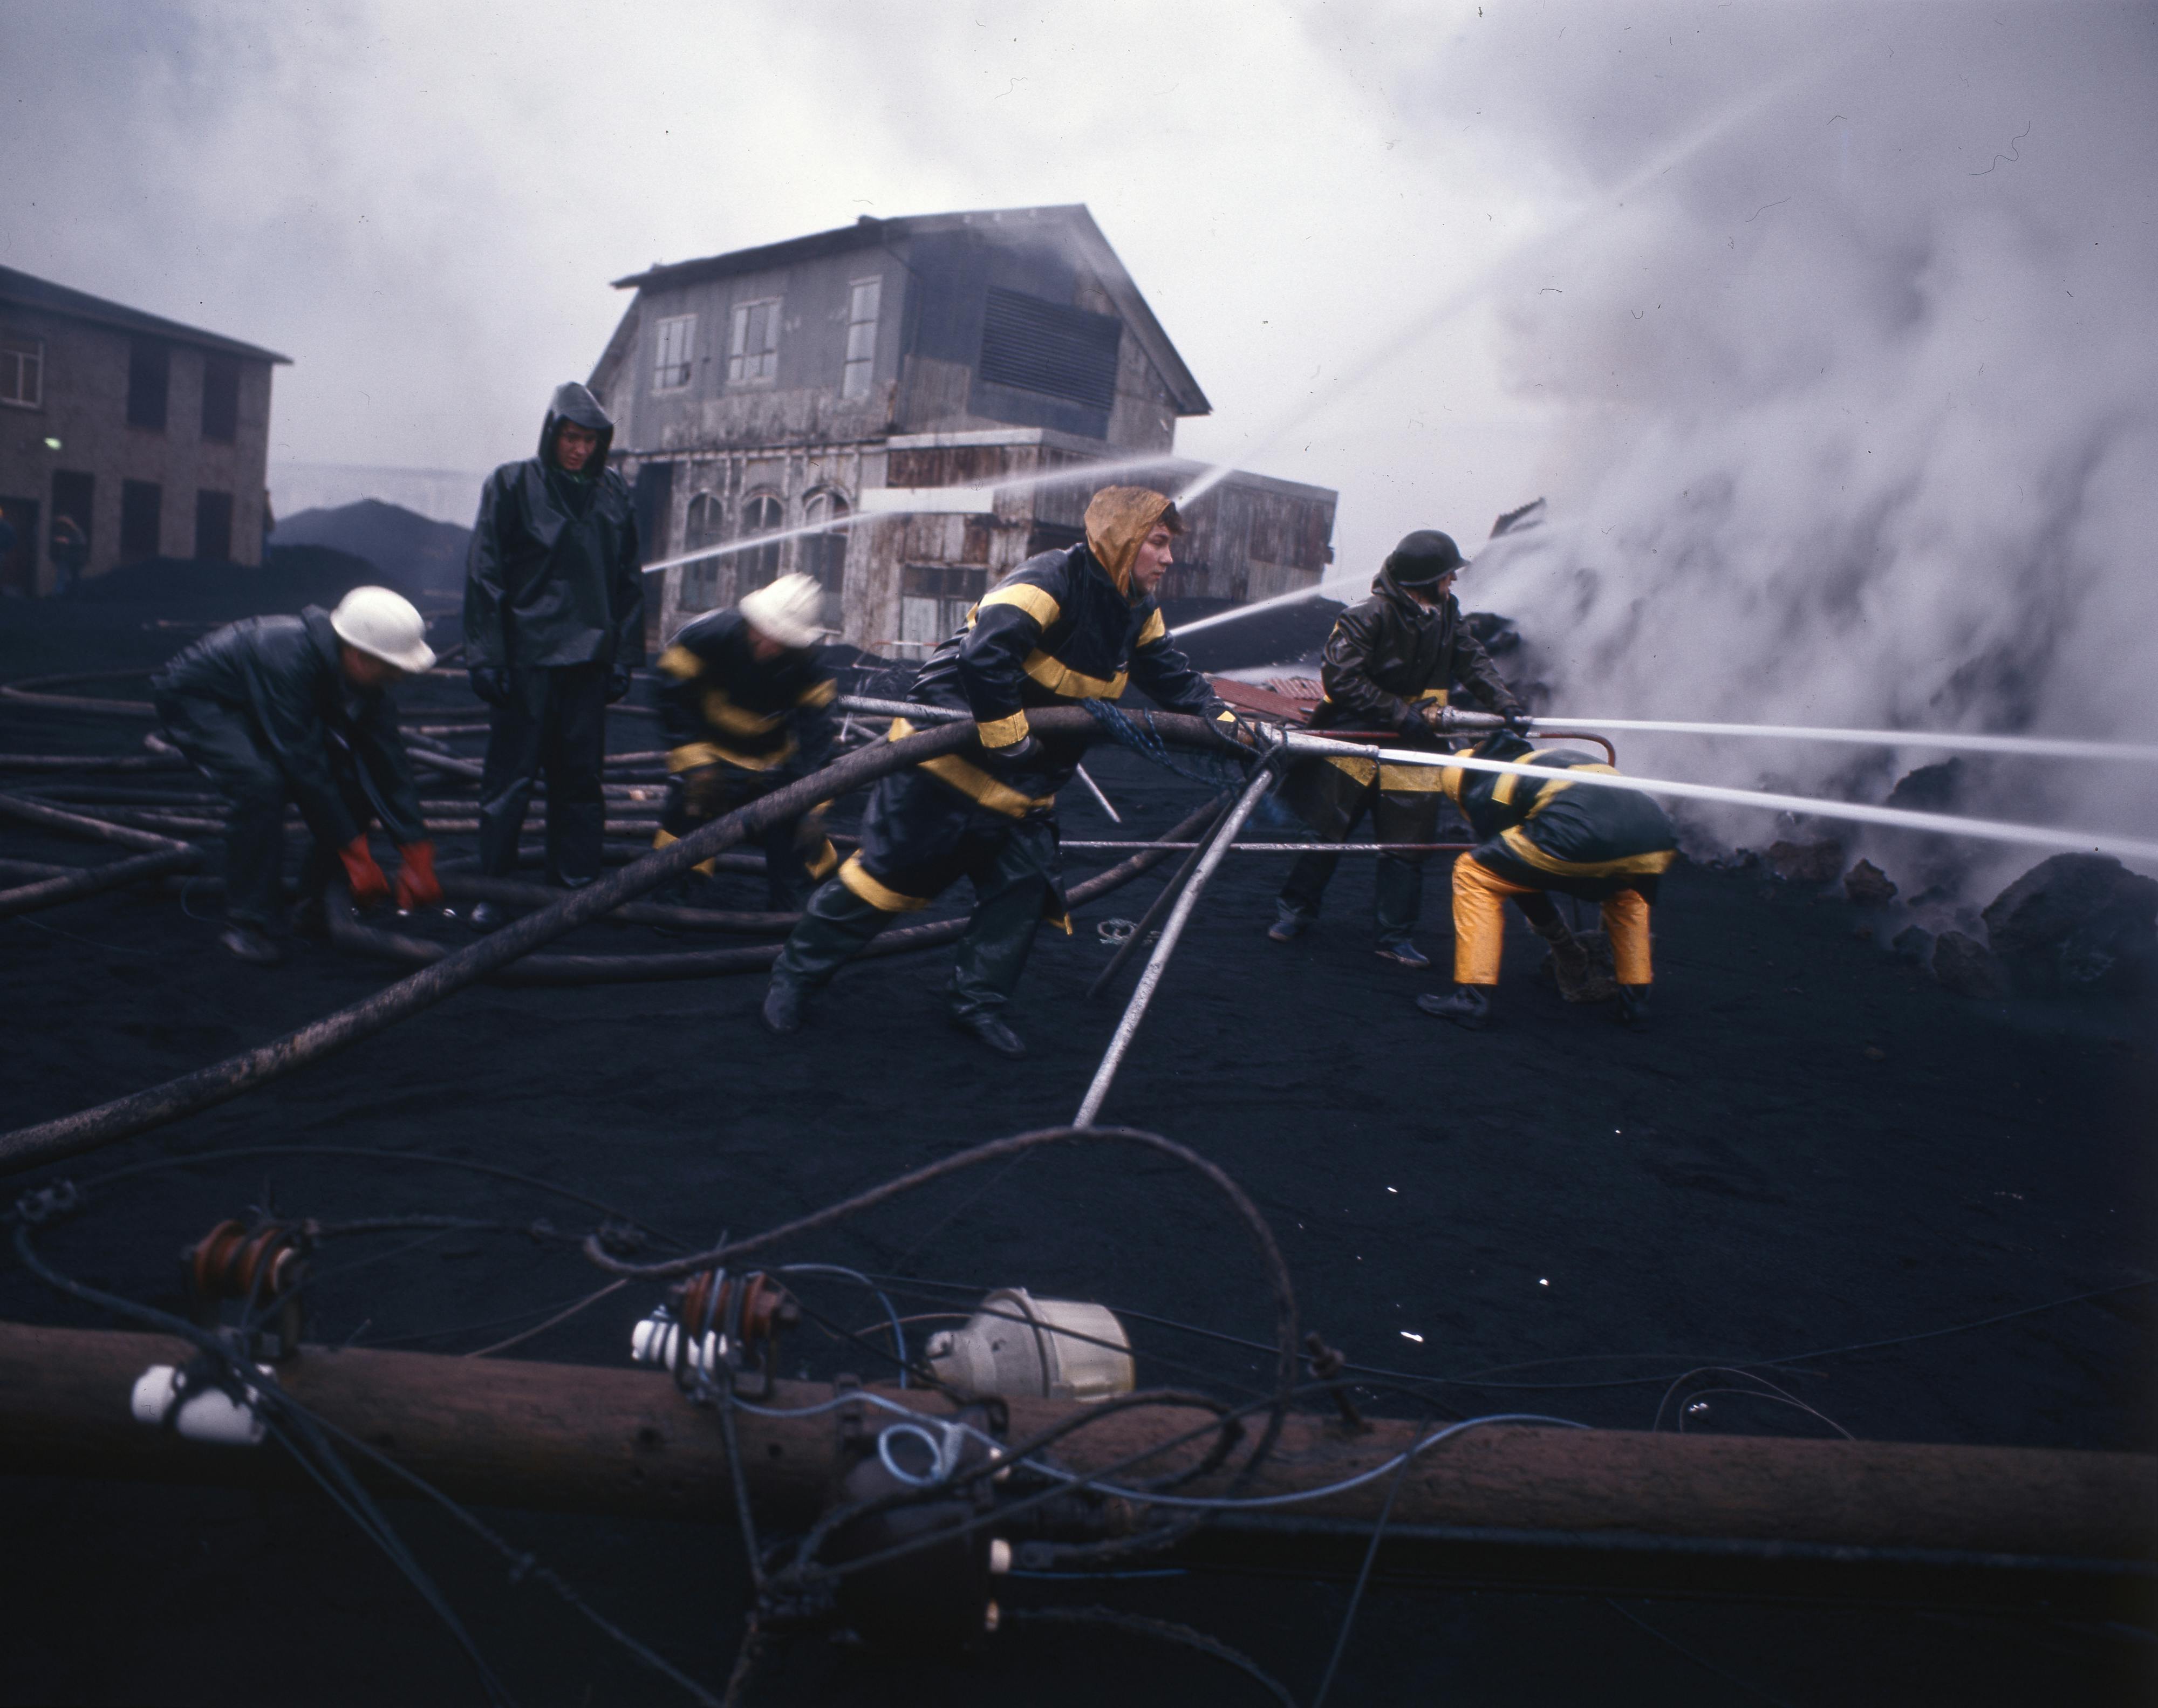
(1125, 732)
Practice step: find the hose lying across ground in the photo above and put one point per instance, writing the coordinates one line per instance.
(46, 1142)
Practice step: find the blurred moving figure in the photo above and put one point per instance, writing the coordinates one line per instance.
(554, 625)
(278, 708)
(745, 698)
(1391, 663)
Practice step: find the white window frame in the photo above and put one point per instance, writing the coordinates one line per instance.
(760, 366)
(26, 383)
(674, 358)
(858, 374)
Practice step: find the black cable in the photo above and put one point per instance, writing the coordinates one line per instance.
(1363, 1577)
(1162, 1630)
(1702, 1661)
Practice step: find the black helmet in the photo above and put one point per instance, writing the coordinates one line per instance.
(1423, 557)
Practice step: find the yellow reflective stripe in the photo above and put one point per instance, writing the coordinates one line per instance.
(679, 662)
(1362, 770)
(1155, 630)
(1525, 851)
(660, 839)
(826, 858)
(1412, 780)
(878, 895)
(1225, 717)
(696, 753)
(1550, 790)
(1060, 677)
(1439, 694)
(818, 693)
(1023, 595)
(1004, 732)
(972, 780)
(738, 720)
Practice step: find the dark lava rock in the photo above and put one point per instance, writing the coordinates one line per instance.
(1931, 788)
(1806, 862)
(2076, 921)
(1868, 886)
(1914, 942)
(1967, 967)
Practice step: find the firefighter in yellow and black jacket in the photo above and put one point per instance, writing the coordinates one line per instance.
(746, 701)
(1391, 664)
(1065, 626)
(1536, 835)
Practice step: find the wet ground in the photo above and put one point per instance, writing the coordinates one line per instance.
(1814, 1147)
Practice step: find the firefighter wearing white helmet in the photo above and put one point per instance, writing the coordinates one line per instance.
(745, 699)
(278, 708)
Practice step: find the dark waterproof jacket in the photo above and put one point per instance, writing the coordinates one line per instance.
(1389, 654)
(552, 576)
(1557, 835)
(722, 704)
(1054, 631)
(284, 675)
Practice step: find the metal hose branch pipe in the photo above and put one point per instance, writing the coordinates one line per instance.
(205, 1088)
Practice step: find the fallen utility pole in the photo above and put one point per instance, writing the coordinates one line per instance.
(1678, 1514)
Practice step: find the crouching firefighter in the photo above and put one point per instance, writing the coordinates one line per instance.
(1393, 664)
(1536, 835)
(747, 706)
(1065, 626)
(278, 708)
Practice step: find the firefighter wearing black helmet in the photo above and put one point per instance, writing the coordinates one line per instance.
(1393, 661)
(554, 625)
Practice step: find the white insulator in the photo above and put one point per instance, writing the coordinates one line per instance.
(208, 1414)
(654, 1340)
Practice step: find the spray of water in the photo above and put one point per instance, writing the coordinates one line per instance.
(2021, 747)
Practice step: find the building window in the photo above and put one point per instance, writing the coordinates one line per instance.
(707, 526)
(759, 564)
(753, 352)
(1034, 345)
(861, 337)
(671, 371)
(934, 600)
(823, 556)
(213, 527)
(141, 504)
(149, 378)
(221, 420)
(74, 492)
(22, 372)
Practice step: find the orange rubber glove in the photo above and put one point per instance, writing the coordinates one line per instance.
(417, 885)
(361, 875)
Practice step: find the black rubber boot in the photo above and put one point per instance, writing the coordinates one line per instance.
(1469, 1006)
(248, 943)
(781, 1013)
(1633, 1009)
(1290, 923)
(983, 1024)
(1403, 953)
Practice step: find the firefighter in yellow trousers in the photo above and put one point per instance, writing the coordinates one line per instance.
(1536, 835)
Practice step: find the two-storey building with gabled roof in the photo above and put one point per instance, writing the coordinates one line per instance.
(1005, 359)
(151, 437)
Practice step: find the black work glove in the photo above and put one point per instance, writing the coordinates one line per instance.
(490, 684)
(1007, 761)
(1517, 717)
(617, 684)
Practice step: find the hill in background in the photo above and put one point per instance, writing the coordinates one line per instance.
(415, 553)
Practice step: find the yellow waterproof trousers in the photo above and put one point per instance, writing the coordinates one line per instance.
(1479, 925)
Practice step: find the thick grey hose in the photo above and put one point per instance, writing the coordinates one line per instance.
(91, 880)
(30, 1147)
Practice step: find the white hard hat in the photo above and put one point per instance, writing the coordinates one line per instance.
(787, 610)
(384, 625)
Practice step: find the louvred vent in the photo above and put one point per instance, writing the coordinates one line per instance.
(1037, 346)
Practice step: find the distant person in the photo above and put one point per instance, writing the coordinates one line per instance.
(1064, 627)
(746, 701)
(1606, 845)
(1391, 665)
(69, 550)
(554, 625)
(278, 708)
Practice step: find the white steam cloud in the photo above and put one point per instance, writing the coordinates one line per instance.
(1863, 398)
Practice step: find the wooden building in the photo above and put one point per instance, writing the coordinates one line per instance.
(973, 377)
(151, 437)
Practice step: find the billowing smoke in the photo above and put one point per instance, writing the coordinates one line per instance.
(1862, 394)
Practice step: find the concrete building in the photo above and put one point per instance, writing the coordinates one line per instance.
(975, 376)
(151, 437)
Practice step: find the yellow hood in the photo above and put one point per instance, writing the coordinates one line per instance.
(1118, 520)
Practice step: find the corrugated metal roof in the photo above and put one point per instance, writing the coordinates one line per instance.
(1074, 221)
(27, 291)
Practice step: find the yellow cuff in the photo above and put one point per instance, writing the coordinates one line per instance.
(1004, 732)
